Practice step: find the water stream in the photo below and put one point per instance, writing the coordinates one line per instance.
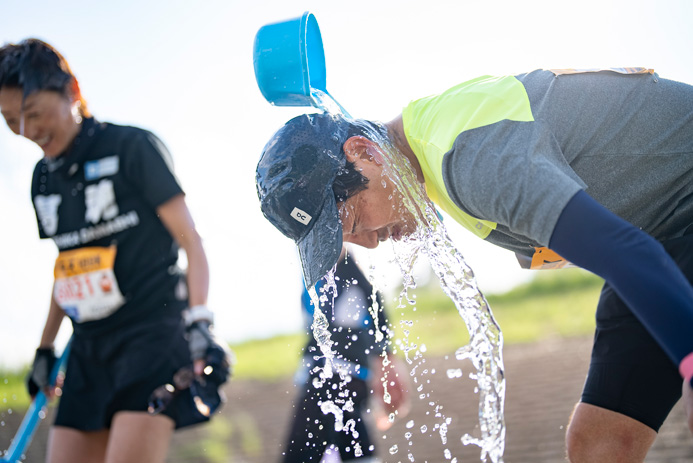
(430, 239)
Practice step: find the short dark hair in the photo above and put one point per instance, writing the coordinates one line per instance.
(349, 180)
(33, 65)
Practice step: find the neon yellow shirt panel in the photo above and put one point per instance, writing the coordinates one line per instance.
(432, 124)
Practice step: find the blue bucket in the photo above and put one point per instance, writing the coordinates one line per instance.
(289, 60)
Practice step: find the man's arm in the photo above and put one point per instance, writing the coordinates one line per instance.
(636, 266)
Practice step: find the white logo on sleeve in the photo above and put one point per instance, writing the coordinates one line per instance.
(301, 216)
(47, 210)
(100, 202)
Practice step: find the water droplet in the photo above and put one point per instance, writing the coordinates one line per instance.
(394, 449)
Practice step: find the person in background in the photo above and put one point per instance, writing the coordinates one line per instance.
(588, 167)
(358, 328)
(109, 199)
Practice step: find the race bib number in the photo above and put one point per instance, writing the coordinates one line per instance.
(85, 284)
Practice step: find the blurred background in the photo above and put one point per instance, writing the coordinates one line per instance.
(184, 70)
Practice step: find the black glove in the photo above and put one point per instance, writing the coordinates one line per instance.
(40, 373)
(199, 339)
(204, 345)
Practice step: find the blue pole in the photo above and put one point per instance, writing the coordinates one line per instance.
(34, 415)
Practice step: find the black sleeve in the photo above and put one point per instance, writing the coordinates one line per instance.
(636, 266)
(149, 167)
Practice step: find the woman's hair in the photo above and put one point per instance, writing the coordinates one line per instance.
(33, 65)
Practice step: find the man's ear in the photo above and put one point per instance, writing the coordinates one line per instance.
(361, 148)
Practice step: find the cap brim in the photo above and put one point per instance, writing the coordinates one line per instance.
(321, 247)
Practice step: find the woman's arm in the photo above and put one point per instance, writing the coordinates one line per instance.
(52, 326)
(175, 216)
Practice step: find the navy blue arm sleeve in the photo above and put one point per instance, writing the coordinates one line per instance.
(636, 266)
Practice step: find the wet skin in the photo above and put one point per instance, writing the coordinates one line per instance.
(375, 214)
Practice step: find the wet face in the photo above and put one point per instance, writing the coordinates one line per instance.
(375, 214)
(47, 118)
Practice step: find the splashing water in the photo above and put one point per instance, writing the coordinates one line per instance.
(457, 280)
(325, 101)
(322, 335)
(330, 407)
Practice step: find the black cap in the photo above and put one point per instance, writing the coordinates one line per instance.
(294, 183)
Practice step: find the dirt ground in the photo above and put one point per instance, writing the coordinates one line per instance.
(544, 381)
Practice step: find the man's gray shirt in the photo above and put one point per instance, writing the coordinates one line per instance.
(627, 140)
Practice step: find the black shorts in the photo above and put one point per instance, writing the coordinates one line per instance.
(117, 371)
(629, 372)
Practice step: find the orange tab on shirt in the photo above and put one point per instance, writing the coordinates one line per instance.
(560, 72)
(545, 258)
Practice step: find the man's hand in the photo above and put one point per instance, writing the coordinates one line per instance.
(40, 373)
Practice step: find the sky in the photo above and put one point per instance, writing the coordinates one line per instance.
(184, 70)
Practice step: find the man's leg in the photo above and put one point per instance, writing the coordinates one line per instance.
(630, 389)
(599, 435)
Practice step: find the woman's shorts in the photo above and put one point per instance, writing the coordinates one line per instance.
(118, 371)
(629, 372)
